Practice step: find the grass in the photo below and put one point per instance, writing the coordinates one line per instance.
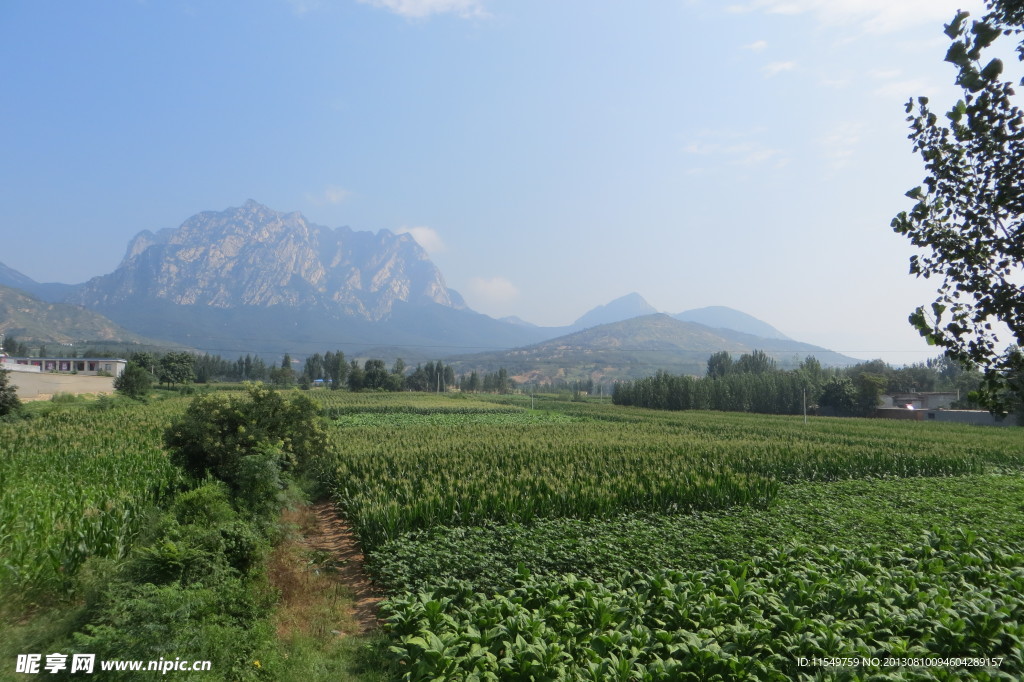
(318, 636)
(312, 602)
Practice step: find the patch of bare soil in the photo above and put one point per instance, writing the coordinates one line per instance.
(319, 573)
(335, 537)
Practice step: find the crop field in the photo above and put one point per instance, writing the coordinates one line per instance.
(581, 541)
(399, 474)
(585, 541)
(74, 484)
(340, 403)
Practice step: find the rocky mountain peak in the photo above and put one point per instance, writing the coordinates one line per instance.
(253, 255)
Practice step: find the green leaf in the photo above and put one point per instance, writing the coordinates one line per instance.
(992, 70)
(955, 27)
(957, 54)
(957, 112)
(984, 34)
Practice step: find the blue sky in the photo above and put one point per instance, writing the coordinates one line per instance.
(551, 155)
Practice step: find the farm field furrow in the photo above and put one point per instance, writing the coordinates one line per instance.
(582, 541)
(392, 476)
(574, 541)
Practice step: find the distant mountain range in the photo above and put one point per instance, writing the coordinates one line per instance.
(253, 280)
(51, 292)
(27, 318)
(637, 347)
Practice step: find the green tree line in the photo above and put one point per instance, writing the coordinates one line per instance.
(753, 383)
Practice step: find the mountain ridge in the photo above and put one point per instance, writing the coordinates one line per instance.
(636, 347)
(252, 279)
(622, 308)
(31, 319)
(255, 256)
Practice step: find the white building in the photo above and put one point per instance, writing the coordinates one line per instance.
(42, 378)
(85, 366)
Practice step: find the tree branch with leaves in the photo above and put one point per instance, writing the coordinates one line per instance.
(969, 215)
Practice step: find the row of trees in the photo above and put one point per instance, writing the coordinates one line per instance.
(488, 382)
(330, 369)
(753, 383)
(12, 346)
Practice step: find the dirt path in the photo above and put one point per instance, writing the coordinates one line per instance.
(335, 537)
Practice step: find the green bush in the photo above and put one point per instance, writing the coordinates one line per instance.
(250, 442)
(208, 504)
(186, 554)
(9, 402)
(134, 382)
(202, 538)
(226, 623)
(244, 546)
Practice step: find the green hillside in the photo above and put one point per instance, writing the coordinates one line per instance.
(636, 348)
(32, 320)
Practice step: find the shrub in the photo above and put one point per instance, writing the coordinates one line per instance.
(9, 401)
(134, 381)
(250, 442)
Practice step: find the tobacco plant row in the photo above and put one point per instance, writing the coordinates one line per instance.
(950, 596)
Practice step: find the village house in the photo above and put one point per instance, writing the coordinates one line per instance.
(41, 378)
(920, 400)
(85, 366)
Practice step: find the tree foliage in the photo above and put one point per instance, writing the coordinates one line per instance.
(9, 401)
(719, 364)
(851, 391)
(969, 215)
(134, 381)
(239, 439)
(176, 368)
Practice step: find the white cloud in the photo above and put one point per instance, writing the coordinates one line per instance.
(332, 194)
(301, 7)
(756, 46)
(427, 237)
(873, 16)
(736, 149)
(775, 68)
(840, 144)
(418, 9)
(493, 290)
(335, 195)
(905, 89)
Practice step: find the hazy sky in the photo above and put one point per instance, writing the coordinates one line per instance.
(551, 155)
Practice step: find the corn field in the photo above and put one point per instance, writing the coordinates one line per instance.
(75, 483)
(392, 476)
